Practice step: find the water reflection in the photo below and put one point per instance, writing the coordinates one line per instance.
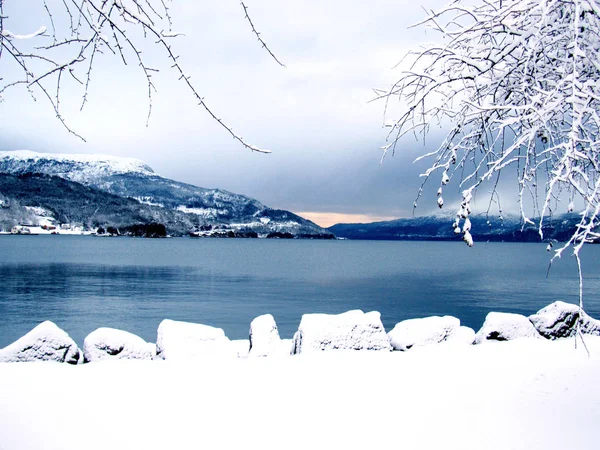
(228, 284)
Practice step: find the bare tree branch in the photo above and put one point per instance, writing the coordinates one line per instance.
(95, 26)
(262, 42)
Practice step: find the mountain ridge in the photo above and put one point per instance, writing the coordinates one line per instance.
(439, 227)
(213, 209)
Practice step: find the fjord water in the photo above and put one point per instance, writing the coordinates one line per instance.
(82, 283)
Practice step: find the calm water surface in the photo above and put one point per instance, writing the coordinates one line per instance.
(82, 283)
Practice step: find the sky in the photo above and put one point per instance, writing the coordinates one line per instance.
(315, 114)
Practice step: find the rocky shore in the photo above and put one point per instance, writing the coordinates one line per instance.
(352, 330)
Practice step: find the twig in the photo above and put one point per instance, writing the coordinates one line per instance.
(262, 42)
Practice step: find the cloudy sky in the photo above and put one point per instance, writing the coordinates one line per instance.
(314, 114)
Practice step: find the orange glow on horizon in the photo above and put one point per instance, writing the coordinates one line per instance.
(327, 219)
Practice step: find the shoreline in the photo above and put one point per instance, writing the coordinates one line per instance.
(317, 332)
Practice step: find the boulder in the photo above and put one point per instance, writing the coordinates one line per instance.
(46, 342)
(464, 335)
(352, 330)
(559, 320)
(264, 337)
(418, 332)
(185, 340)
(109, 343)
(505, 327)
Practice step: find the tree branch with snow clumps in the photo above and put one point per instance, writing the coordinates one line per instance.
(519, 83)
(43, 59)
(518, 80)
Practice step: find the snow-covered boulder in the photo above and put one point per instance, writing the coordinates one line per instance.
(109, 343)
(505, 327)
(185, 340)
(264, 337)
(352, 330)
(46, 342)
(464, 335)
(559, 320)
(428, 330)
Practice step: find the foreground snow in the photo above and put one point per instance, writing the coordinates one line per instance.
(523, 394)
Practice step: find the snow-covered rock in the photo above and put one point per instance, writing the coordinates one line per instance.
(428, 330)
(46, 342)
(352, 330)
(264, 337)
(464, 335)
(559, 320)
(185, 340)
(109, 343)
(505, 327)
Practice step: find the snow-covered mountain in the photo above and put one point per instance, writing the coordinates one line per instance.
(216, 211)
(483, 228)
(84, 169)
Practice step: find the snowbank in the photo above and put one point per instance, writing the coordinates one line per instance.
(109, 343)
(285, 347)
(241, 347)
(264, 337)
(505, 327)
(559, 320)
(352, 330)
(520, 395)
(185, 340)
(46, 342)
(429, 330)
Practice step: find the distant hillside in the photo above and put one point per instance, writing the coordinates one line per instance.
(182, 207)
(70, 202)
(509, 229)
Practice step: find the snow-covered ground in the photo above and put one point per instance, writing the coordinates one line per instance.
(522, 394)
(46, 224)
(76, 231)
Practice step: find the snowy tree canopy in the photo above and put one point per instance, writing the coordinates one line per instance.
(519, 83)
(76, 32)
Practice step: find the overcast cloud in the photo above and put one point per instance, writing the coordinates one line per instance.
(314, 114)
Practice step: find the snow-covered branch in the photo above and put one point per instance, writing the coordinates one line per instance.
(519, 80)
